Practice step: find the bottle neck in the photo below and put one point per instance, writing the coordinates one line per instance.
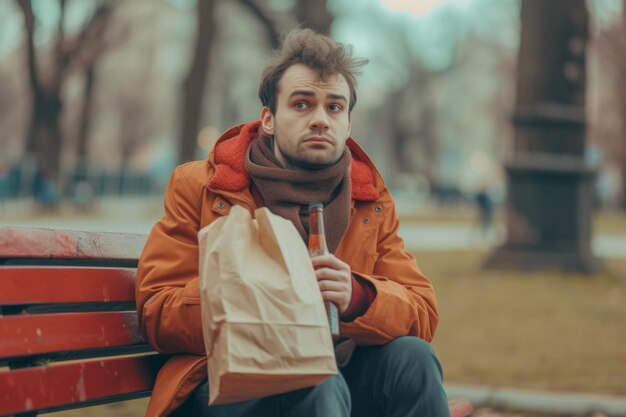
(317, 237)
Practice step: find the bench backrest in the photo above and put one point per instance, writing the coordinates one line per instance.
(68, 329)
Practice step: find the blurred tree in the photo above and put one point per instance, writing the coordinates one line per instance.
(432, 85)
(88, 61)
(611, 131)
(7, 98)
(195, 81)
(136, 126)
(314, 14)
(270, 24)
(414, 123)
(45, 137)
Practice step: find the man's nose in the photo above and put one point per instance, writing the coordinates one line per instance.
(319, 120)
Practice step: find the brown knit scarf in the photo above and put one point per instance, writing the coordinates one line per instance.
(288, 192)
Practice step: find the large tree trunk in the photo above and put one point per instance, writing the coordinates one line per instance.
(193, 86)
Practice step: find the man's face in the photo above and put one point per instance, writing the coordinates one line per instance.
(312, 122)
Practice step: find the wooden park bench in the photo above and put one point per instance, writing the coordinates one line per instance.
(69, 335)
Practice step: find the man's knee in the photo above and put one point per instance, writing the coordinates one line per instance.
(335, 383)
(411, 347)
(400, 378)
(414, 356)
(331, 397)
(334, 389)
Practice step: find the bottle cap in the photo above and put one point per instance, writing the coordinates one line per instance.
(316, 206)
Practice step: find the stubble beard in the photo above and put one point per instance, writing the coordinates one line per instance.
(301, 161)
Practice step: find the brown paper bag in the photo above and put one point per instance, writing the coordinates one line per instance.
(263, 317)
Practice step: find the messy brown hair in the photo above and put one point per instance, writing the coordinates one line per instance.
(318, 52)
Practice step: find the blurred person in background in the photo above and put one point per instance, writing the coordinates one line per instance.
(485, 207)
(298, 152)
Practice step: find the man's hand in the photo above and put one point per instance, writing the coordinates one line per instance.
(335, 280)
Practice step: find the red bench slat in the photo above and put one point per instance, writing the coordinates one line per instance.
(31, 389)
(24, 242)
(460, 407)
(34, 285)
(28, 334)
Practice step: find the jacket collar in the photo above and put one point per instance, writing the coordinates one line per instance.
(229, 154)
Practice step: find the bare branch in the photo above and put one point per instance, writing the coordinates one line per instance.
(89, 41)
(29, 27)
(270, 26)
(62, 60)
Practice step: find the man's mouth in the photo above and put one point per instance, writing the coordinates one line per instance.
(318, 139)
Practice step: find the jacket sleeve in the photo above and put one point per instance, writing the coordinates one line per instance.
(405, 299)
(167, 286)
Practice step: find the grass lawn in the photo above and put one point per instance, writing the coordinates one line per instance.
(612, 222)
(540, 330)
(609, 222)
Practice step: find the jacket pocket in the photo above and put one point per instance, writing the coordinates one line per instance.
(362, 253)
(364, 262)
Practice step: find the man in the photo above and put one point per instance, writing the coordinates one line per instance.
(297, 153)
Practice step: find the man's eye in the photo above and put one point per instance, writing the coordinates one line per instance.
(335, 108)
(300, 105)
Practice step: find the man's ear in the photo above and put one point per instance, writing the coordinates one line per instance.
(267, 121)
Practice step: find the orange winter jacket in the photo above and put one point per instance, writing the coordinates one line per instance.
(167, 289)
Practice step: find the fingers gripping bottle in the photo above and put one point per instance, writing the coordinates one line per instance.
(317, 246)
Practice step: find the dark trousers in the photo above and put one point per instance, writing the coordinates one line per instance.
(400, 379)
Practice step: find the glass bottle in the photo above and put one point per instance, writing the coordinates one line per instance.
(317, 246)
